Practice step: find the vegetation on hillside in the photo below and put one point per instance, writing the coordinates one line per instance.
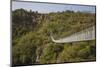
(31, 42)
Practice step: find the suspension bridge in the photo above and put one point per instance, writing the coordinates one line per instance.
(84, 35)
